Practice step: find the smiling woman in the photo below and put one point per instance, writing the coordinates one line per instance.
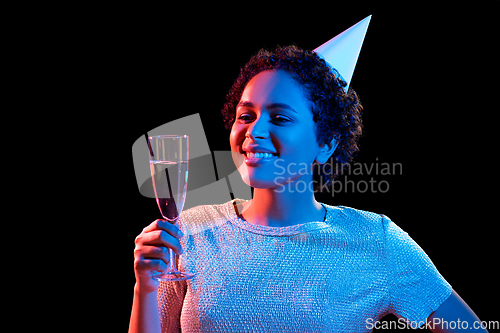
(284, 262)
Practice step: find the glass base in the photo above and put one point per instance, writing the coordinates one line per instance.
(173, 276)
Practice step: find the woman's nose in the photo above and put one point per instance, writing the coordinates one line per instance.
(258, 130)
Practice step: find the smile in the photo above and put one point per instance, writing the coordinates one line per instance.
(256, 159)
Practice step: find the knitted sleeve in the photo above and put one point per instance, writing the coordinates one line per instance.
(416, 288)
(170, 300)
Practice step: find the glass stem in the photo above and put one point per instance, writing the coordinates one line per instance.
(172, 265)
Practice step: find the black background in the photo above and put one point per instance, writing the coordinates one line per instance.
(425, 76)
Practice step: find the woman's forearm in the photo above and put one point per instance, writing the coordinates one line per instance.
(145, 317)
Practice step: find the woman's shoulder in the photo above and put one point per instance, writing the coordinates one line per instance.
(354, 214)
(357, 219)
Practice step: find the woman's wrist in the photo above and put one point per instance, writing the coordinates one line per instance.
(144, 291)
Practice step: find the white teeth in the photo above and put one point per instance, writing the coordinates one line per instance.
(259, 155)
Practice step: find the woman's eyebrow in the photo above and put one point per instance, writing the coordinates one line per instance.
(244, 104)
(280, 106)
(270, 106)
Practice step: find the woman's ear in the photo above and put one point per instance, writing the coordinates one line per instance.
(326, 149)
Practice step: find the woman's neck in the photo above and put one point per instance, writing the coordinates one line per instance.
(282, 207)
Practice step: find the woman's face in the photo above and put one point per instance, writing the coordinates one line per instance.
(273, 140)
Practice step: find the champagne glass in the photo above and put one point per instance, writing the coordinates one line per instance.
(168, 160)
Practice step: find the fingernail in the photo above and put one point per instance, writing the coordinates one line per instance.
(179, 232)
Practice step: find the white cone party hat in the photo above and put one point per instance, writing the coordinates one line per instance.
(342, 51)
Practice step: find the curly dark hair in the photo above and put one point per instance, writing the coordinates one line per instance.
(336, 113)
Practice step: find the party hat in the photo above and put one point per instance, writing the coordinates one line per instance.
(342, 51)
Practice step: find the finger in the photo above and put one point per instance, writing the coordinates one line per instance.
(172, 229)
(145, 265)
(161, 238)
(153, 252)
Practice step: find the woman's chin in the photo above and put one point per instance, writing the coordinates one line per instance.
(256, 180)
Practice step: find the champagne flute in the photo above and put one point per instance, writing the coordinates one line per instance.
(168, 160)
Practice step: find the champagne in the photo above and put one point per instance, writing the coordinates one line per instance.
(170, 185)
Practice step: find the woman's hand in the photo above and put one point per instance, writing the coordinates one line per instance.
(151, 253)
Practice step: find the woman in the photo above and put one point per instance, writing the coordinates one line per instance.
(284, 262)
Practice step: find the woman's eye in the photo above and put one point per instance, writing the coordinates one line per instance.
(245, 117)
(281, 119)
